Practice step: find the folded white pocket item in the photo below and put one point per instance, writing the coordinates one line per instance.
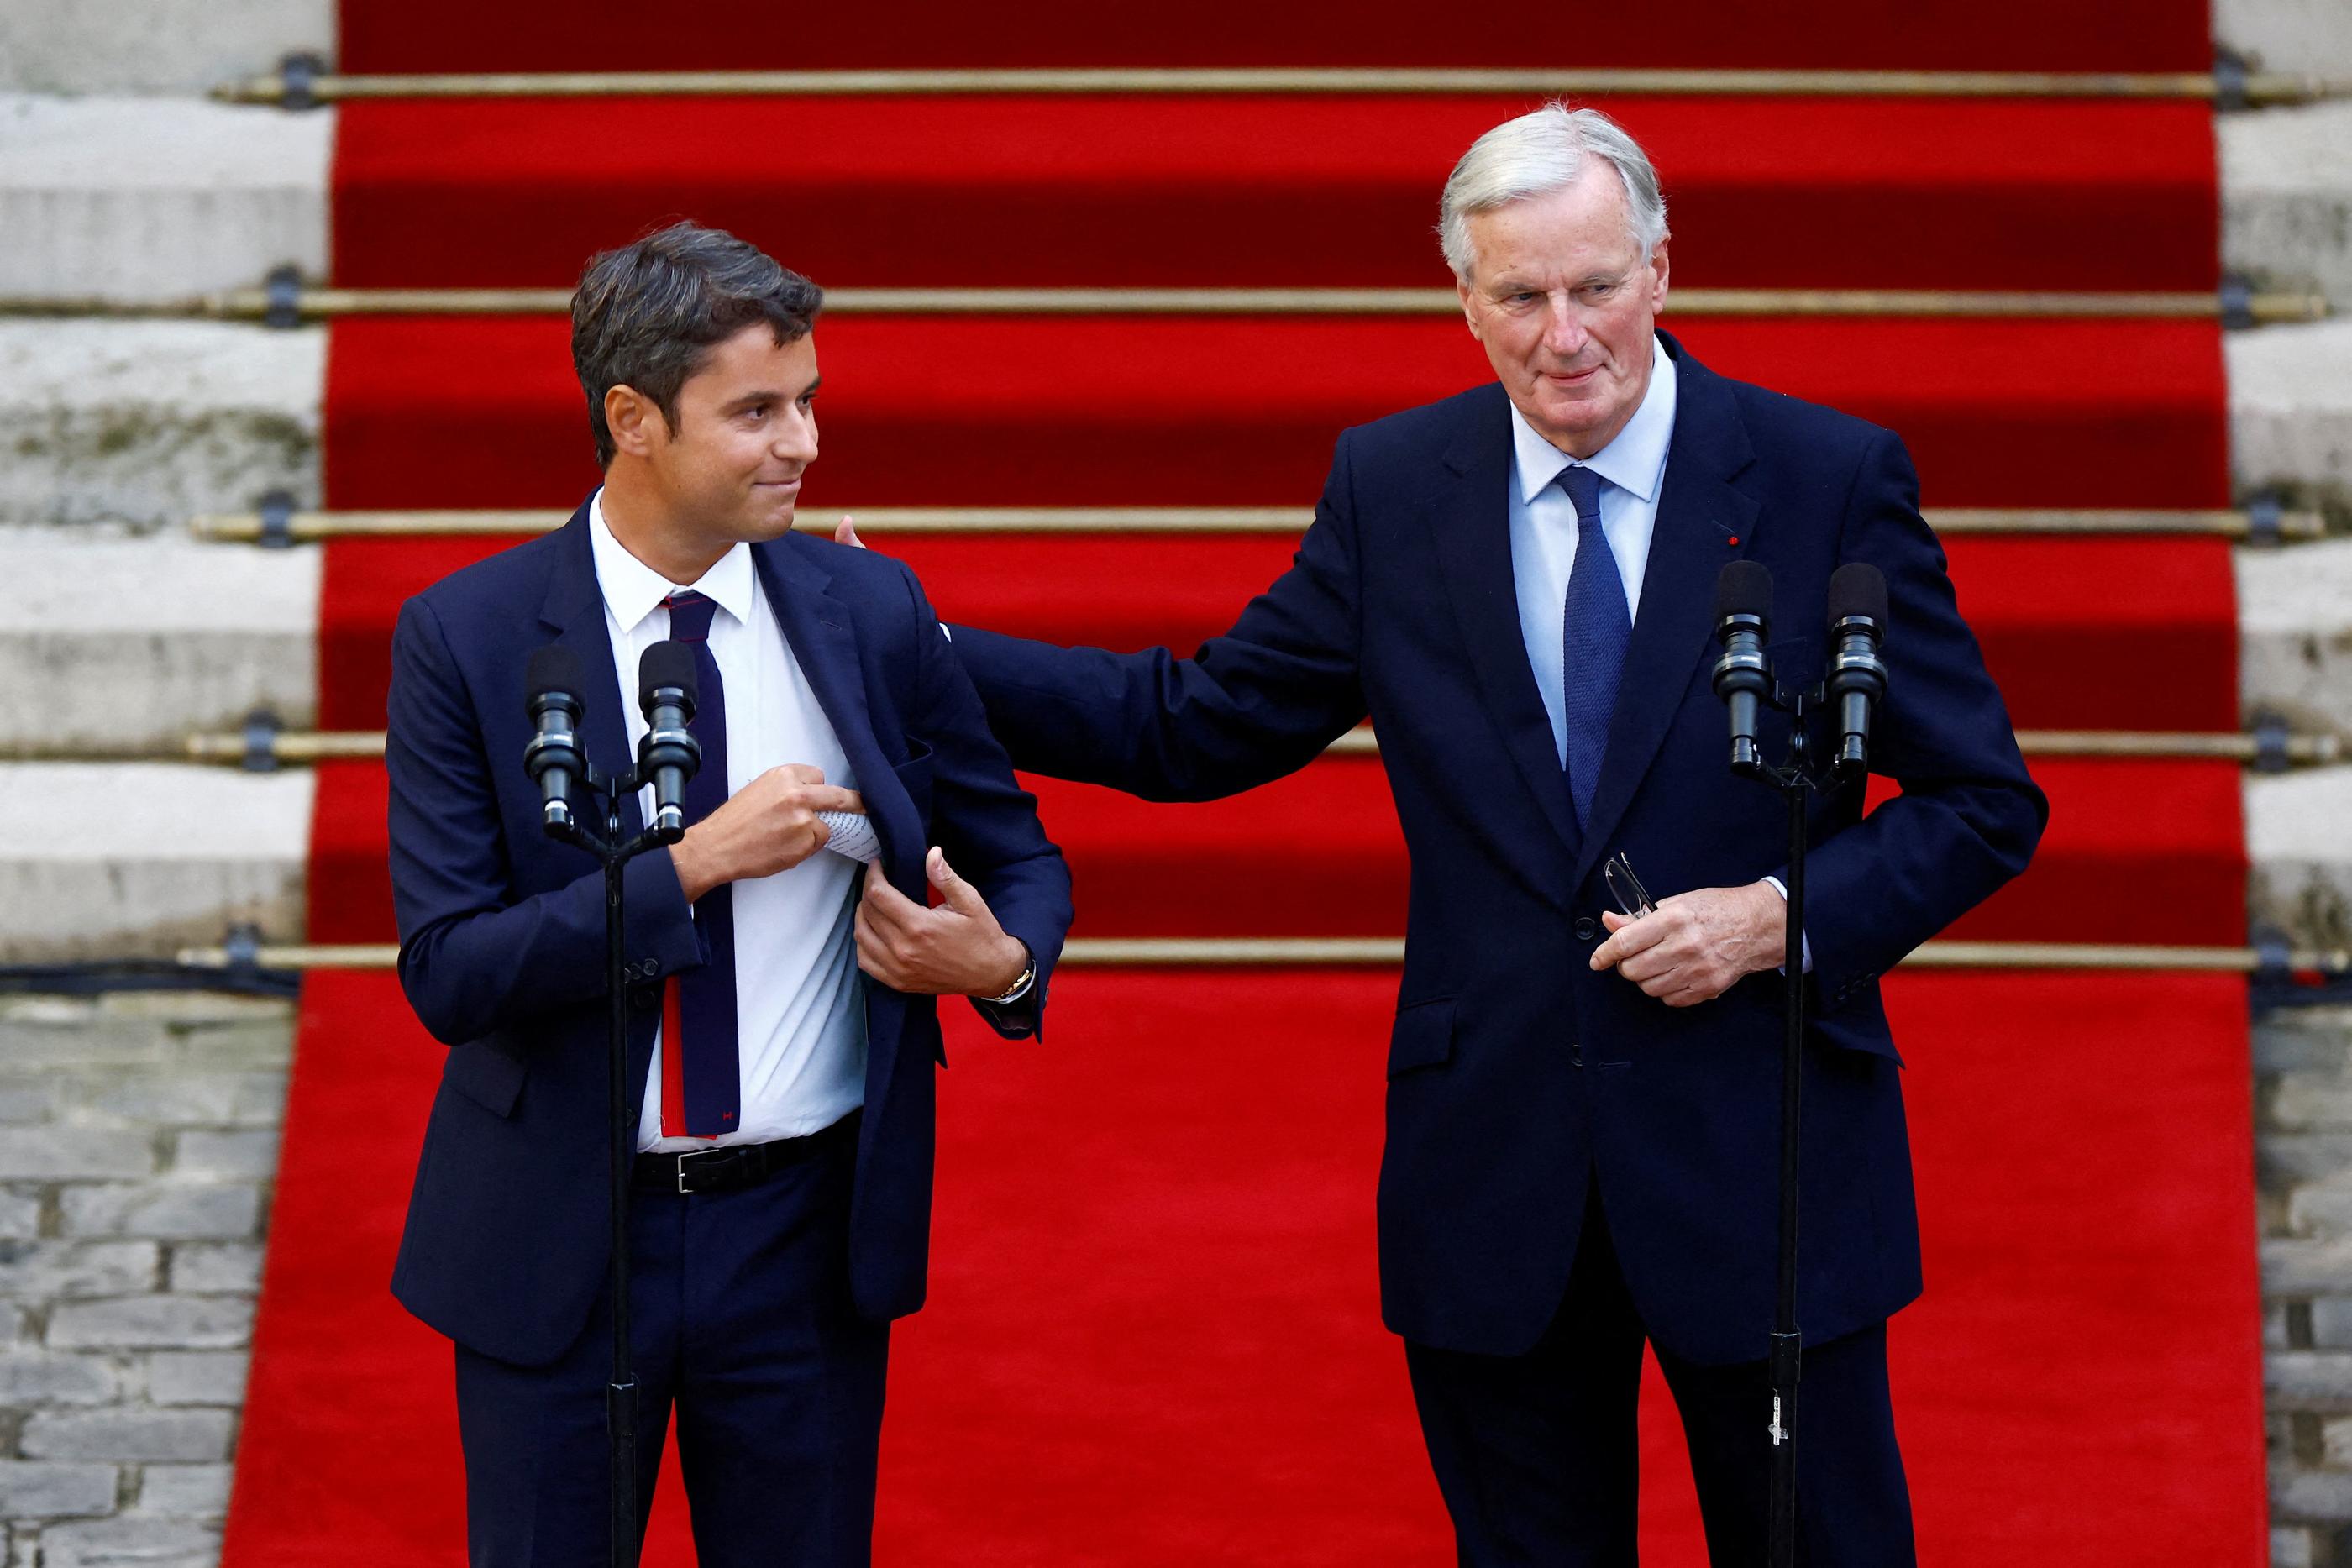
(853, 835)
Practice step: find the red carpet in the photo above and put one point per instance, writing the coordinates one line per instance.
(1226, 412)
(1153, 1336)
(1319, 854)
(1789, 193)
(612, 35)
(2066, 625)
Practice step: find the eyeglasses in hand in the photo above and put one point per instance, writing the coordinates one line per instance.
(1626, 888)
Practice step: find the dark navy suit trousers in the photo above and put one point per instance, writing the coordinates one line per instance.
(742, 1328)
(1538, 1454)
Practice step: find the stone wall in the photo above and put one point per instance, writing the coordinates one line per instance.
(137, 1142)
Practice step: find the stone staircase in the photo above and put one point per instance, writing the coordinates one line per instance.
(121, 633)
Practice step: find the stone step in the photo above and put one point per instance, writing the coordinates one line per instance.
(114, 645)
(132, 199)
(151, 198)
(2310, 36)
(100, 861)
(2294, 631)
(2286, 210)
(135, 860)
(2291, 412)
(188, 637)
(111, 643)
(2301, 855)
(183, 46)
(137, 425)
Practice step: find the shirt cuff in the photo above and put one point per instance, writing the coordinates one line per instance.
(1804, 940)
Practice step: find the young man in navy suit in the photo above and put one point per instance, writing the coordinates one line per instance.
(1516, 585)
(781, 992)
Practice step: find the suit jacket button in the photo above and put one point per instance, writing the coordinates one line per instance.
(1575, 1054)
(1585, 929)
(643, 1001)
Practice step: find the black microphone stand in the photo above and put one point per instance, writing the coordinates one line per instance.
(614, 852)
(1796, 780)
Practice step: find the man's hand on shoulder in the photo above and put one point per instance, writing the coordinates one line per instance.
(1697, 945)
(769, 825)
(955, 948)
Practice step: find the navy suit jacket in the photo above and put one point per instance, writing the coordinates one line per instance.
(1518, 1076)
(502, 928)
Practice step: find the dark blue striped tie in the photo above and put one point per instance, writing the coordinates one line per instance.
(1593, 635)
(702, 1088)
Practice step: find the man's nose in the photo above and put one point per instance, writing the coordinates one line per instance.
(795, 439)
(1564, 332)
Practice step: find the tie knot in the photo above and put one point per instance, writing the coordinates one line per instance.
(1583, 487)
(689, 616)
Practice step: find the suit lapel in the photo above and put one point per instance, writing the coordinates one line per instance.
(1473, 547)
(818, 628)
(574, 610)
(1698, 512)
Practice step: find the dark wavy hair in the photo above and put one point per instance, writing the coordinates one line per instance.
(647, 315)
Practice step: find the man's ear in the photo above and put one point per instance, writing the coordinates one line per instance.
(634, 419)
(1469, 315)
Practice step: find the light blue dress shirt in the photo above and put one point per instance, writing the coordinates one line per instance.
(1543, 534)
(1543, 525)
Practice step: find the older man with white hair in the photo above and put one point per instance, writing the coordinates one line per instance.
(1514, 584)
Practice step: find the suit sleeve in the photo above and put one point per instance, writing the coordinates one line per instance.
(473, 958)
(1970, 815)
(985, 822)
(1261, 701)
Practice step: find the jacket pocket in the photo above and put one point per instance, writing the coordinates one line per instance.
(915, 778)
(486, 1075)
(1424, 1036)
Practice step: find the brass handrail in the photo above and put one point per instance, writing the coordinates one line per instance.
(296, 747)
(327, 304)
(1240, 952)
(2254, 89)
(307, 527)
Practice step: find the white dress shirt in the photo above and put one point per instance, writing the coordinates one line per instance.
(799, 1006)
(1543, 534)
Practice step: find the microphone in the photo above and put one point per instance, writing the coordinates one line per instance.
(670, 754)
(1743, 609)
(1857, 676)
(552, 759)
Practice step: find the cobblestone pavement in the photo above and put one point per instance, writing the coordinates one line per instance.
(137, 1141)
(2302, 1144)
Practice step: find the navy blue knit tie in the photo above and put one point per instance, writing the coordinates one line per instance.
(700, 1078)
(1593, 635)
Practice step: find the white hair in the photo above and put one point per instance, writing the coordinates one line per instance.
(1534, 156)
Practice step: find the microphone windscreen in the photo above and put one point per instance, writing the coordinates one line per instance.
(552, 668)
(1744, 587)
(666, 663)
(1858, 588)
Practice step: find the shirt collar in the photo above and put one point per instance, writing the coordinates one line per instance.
(633, 590)
(1635, 461)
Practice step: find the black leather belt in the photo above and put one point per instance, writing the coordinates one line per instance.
(737, 1165)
